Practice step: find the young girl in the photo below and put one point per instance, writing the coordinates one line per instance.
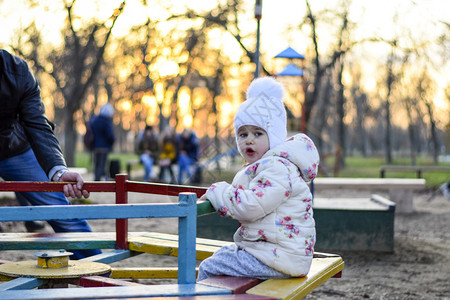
(269, 196)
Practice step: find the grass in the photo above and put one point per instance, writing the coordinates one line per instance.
(84, 159)
(368, 167)
(356, 167)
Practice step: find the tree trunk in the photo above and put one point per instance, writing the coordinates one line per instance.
(322, 114)
(311, 99)
(434, 138)
(217, 88)
(341, 115)
(70, 138)
(389, 83)
(361, 104)
(412, 137)
(388, 134)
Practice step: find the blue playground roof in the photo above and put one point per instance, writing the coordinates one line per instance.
(291, 70)
(289, 53)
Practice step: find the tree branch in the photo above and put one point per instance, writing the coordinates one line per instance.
(117, 12)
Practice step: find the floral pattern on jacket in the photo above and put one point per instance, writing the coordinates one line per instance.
(271, 200)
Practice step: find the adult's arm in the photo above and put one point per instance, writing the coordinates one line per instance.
(37, 127)
(40, 135)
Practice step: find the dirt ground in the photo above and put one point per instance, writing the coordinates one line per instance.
(419, 267)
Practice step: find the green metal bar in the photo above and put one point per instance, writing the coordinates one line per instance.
(204, 208)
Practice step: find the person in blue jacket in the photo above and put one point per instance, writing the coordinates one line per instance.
(102, 127)
(187, 153)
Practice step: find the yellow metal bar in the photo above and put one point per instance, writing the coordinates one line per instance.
(297, 288)
(166, 247)
(153, 246)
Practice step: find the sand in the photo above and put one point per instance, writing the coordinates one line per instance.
(419, 267)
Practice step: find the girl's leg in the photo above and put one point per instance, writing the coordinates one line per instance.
(233, 261)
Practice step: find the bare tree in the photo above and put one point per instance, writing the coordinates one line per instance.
(343, 45)
(360, 100)
(334, 62)
(390, 78)
(74, 67)
(343, 41)
(423, 86)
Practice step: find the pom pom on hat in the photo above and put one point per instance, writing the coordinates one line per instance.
(267, 85)
(264, 108)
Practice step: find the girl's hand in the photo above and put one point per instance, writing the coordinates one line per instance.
(203, 198)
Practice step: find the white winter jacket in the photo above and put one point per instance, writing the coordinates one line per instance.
(273, 203)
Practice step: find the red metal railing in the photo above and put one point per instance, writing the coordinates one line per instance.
(120, 187)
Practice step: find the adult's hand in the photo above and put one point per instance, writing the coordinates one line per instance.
(74, 190)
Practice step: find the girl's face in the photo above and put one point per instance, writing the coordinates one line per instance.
(253, 142)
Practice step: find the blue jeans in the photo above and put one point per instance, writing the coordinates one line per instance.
(184, 166)
(148, 162)
(25, 167)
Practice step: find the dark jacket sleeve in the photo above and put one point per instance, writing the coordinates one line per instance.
(38, 129)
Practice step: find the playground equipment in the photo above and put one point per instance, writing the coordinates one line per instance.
(53, 273)
(342, 224)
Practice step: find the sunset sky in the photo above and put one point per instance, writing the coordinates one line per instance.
(417, 19)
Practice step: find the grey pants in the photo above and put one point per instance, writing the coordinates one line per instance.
(233, 261)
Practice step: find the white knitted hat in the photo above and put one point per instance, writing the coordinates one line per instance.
(264, 108)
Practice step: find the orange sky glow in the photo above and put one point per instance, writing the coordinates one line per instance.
(418, 19)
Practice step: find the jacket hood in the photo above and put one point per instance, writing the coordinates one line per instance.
(107, 111)
(301, 151)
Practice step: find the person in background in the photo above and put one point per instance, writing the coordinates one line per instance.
(148, 151)
(269, 197)
(187, 153)
(102, 128)
(29, 149)
(168, 154)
